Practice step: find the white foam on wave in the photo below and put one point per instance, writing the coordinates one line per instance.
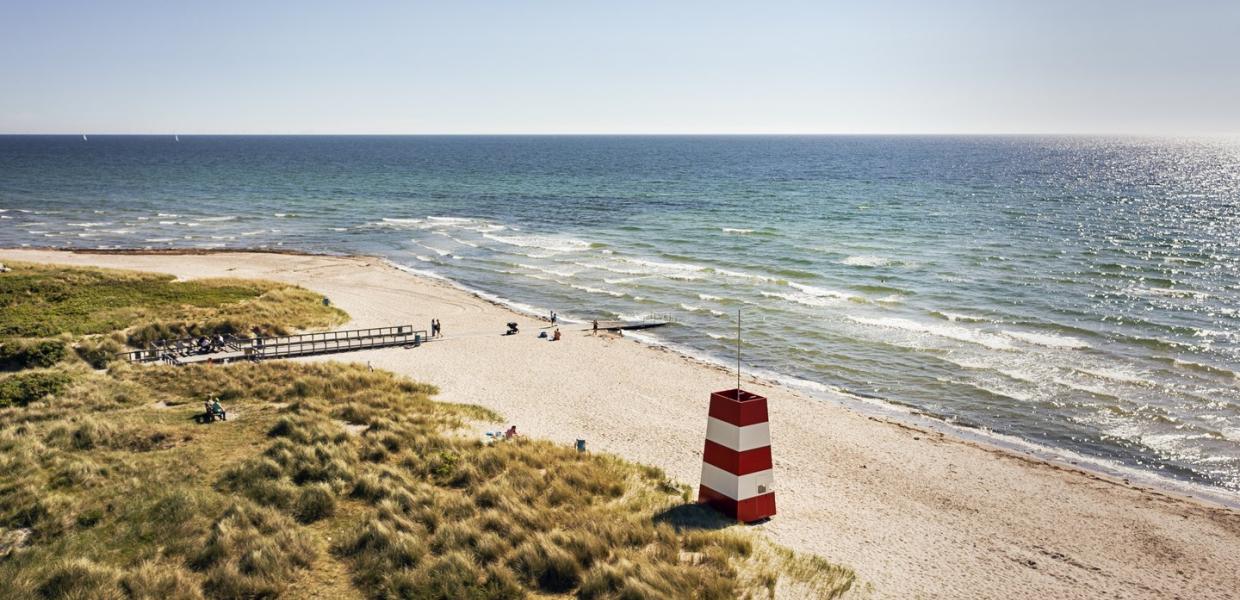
(709, 298)
(90, 225)
(396, 223)
(438, 251)
(675, 271)
(594, 290)
(866, 261)
(541, 242)
(1168, 292)
(735, 230)
(822, 292)
(741, 275)
(450, 219)
(1086, 387)
(803, 299)
(953, 332)
(1048, 340)
(162, 239)
(215, 219)
(951, 316)
(1114, 374)
(459, 240)
(549, 271)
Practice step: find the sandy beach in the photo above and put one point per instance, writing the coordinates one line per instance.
(917, 514)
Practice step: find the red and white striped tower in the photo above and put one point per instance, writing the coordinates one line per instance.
(737, 473)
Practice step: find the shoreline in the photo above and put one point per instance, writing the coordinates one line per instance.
(886, 411)
(875, 407)
(895, 443)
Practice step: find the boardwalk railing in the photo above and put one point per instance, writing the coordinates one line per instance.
(307, 344)
(180, 352)
(170, 350)
(332, 336)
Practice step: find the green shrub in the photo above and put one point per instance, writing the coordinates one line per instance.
(36, 354)
(21, 389)
(98, 353)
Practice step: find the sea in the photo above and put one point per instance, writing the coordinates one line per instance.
(1074, 295)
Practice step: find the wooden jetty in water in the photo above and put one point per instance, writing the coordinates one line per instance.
(627, 325)
(179, 352)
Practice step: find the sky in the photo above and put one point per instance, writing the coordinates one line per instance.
(583, 66)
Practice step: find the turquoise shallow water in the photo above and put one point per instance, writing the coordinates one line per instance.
(1079, 293)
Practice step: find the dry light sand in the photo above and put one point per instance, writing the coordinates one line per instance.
(917, 514)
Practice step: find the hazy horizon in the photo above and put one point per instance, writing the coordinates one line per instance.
(965, 67)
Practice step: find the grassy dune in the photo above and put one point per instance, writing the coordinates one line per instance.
(329, 480)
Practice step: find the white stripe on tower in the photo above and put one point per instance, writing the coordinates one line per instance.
(736, 438)
(737, 487)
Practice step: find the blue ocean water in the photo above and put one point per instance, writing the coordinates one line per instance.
(1078, 293)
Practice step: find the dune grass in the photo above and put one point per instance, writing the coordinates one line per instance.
(331, 480)
(48, 300)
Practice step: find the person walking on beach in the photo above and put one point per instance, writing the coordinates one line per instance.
(595, 332)
(553, 317)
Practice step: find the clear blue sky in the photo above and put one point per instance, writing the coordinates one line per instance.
(1159, 67)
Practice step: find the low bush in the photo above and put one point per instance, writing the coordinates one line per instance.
(98, 353)
(21, 389)
(30, 354)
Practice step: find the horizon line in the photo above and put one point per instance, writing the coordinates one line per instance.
(647, 134)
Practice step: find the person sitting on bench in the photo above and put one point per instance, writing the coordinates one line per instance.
(214, 411)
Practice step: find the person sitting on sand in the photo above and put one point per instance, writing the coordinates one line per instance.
(511, 433)
(555, 337)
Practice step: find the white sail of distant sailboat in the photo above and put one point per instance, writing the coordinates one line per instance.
(83, 137)
(176, 137)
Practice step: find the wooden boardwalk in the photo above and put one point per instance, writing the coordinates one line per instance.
(288, 346)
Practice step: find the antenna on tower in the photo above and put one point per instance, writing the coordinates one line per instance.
(738, 354)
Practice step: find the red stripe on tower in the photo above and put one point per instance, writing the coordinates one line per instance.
(737, 472)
